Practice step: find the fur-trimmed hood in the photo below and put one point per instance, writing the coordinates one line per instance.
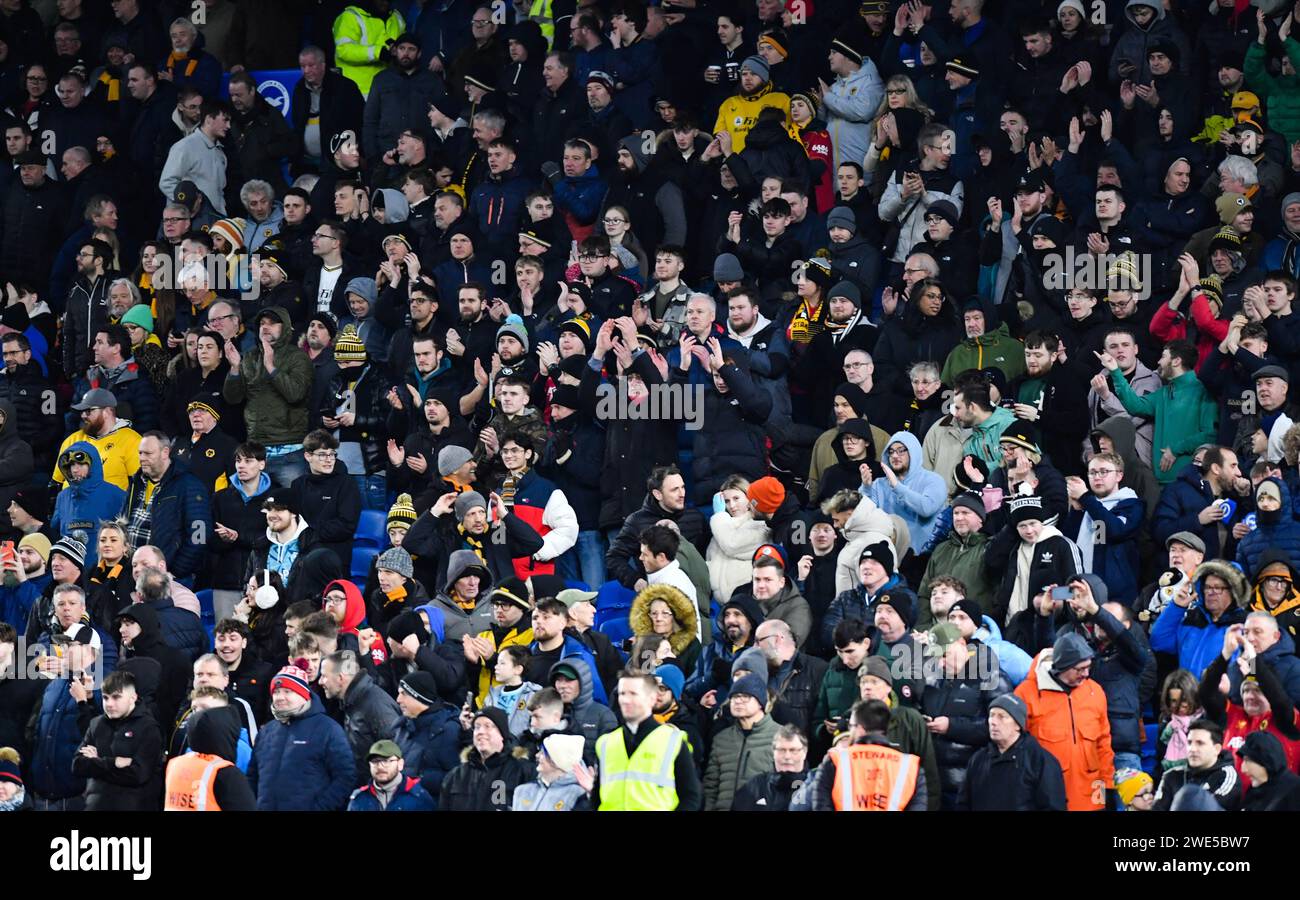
(1236, 580)
(683, 612)
(470, 755)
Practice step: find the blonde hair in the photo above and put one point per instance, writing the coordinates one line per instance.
(911, 100)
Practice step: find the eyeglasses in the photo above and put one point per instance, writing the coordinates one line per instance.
(589, 257)
(324, 454)
(613, 221)
(323, 237)
(1095, 472)
(913, 271)
(512, 451)
(1276, 581)
(894, 92)
(172, 220)
(480, 23)
(897, 451)
(856, 365)
(222, 318)
(1210, 589)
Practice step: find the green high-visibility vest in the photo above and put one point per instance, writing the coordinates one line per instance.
(644, 783)
(540, 12)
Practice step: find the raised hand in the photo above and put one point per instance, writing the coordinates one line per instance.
(995, 213)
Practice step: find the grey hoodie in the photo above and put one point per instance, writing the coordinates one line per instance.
(586, 717)
(1135, 42)
(456, 622)
(564, 794)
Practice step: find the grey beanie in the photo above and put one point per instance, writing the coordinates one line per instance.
(1100, 592)
(1293, 197)
(395, 559)
(1012, 706)
(842, 217)
(364, 288)
(1069, 650)
(727, 268)
(626, 259)
(758, 66)
(849, 291)
(515, 328)
(451, 458)
(467, 501)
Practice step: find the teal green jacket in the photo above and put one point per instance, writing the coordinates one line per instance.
(1281, 94)
(1185, 417)
(985, 440)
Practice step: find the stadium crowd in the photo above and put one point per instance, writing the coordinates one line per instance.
(712, 405)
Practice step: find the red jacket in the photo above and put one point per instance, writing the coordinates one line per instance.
(1172, 326)
(817, 144)
(1239, 725)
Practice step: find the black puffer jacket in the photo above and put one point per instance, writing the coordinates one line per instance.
(15, 460)
(964, 700)
(633, 448)
(769, 152)
(771, 792)
(29, 393)
(486, 786)
(138, 786)
(32, 221)
(264, 138)
(732, 440)
(370, 427)
(369, 715)
(1282, 790)
(174, 675)
(332, 505)
(622, 558)
(341, 109)
(912, 338)
(1023, 778)
(793, 699)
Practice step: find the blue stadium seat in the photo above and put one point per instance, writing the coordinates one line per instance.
(361, 557)
(1150, 734)
(617, 630)
(208, 614)
(372, 530)
(574, 584)
(612, 595)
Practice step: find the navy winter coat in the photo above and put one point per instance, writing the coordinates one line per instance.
(304, 763)
(410, 797)
(181, 523)
(1282, 534)
(431, 746)
(59, 728)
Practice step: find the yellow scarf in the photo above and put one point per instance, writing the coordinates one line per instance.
(475, 544)
(175, 57)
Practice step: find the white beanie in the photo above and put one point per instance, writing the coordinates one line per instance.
(1075, 5)
(565, 750)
